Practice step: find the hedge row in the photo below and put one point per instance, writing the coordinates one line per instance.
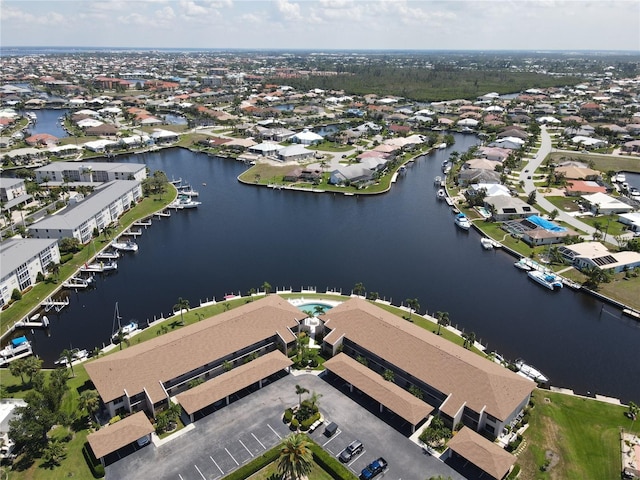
(330, 464)
(97, 470)
(305, 424)
(255, 465)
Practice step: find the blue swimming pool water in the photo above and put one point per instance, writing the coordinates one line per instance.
(311, 307)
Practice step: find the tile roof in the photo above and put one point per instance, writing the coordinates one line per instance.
(447, 367)
(148, 364)
(113, 437)
(395, 398)
(484, 454)
(232, 381)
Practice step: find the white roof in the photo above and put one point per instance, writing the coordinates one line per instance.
(468, 122)
(308, 135)
(605, 201)
(89, 122)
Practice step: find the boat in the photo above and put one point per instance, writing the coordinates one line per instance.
(446, 169)
(99, 267)
(109, 255)
(523, 264)
(188, 191)
(620, 177)
(462, 221)
(441, 146)
(531, 372)
(119, 329)
(76, 355)
(548, 280)
(441, 194)
(184, 201)
(17, 346)
(486, 243)
(128, 246)
(437, 181)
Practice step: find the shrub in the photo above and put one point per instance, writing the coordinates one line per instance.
(16, 295)
(514, 473)
(304, 425)
(114, 419)
(65, 258)
(258, 464)
(288, 415)
(294, 423)
(330, 464)
(97, 470)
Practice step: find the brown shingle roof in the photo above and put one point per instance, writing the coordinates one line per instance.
(168, 356)
(120, 434)
(396, 399)
(449, 368)
(484, 454)
(230, 382)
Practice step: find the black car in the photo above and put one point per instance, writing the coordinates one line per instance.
(354, 448)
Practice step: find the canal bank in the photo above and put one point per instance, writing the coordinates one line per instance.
(244, 236)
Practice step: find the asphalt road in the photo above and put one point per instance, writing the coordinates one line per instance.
(234, 435)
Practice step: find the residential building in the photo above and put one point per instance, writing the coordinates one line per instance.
(98, 210)
(90, 172)
(22, 259)
(509, 208)
(13, 192)
(595, 254)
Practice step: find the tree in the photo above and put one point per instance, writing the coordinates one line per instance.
(32, 365)
(89, 400)
(531, 198)
(416, 392)
(68, 356)
(388, 375)
(54, 453)
(299, 391)
(266, 286)
(633, 411)
(413, 305)
(358, 289)
(443, 320)
(314, 400)
(183, 304)
(469, 339)
(553, 214)
(595, 276)
(17, 369)
(295, 460)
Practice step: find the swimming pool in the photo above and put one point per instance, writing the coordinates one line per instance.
(311, 307)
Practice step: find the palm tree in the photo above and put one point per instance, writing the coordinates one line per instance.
(443, 320)
(314, 400)
(89, 400)
(358, 289)
(299, 391)
(469, 339)
(296, 459)
(413, 305)
(266, 286)
(183, 304)
(68, 356)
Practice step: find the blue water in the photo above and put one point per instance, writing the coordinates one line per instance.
(49, 122)
(402, 244)
(311, 307)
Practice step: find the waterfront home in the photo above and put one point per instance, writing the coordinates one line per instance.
(164, 137)
(492, 461)
(297, 153)
(266, 149)
(306, 137)
(22, 259)
(509, 208)
(595, 254)
(101, 208)
(576, 188)
(603, 204)
(350, 174)
(13, 192)
(478, 175)
(632, 220)
(100, 146)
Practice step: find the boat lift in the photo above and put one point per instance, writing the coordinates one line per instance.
(57, 305)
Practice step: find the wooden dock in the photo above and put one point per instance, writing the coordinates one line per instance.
(56, 305)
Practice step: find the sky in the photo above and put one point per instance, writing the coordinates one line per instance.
(324, 24)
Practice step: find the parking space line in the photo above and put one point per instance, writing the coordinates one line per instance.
(231, 456)
(356, 458)
(203, 477)
(245, 447)
(216, 464)
(263, 447)
(332, 438)
(277, 434)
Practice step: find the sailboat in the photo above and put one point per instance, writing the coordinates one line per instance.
(121, 329)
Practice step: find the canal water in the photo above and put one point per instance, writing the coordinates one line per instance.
(402, 244)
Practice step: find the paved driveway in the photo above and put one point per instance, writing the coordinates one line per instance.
(234, 435)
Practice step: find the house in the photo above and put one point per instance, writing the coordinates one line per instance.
(348, 174)
(266, 149)
(41, 139)
(296, 153)
(572, 172)
(595, 254)
(164, 137)
(475, 175)
(577, 188)
(632, 220)
(509, 208)
(22, 259)
(307, 137)
(300, 174)
(536, 231)
(603, 204)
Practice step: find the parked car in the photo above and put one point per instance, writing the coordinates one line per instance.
(331, 429)
(374, 469)
(354, 448)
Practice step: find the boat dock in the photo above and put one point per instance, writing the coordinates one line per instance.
(78, 282)
(132, 233)
(164, 213)
(5, 361)
(145, 222)
(57, 305)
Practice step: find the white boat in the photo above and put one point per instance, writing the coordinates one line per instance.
(440, 194)
(188, 191)
(437, 181)
(99, 267)
(128, 246)
(548, 280)
(486, 243)
(17, 346)
(441, 146)
(462, 221)
(184, 201)
(76, 355)
(620, 177)
(446, 169)
(118, 328)
(109, 254)
(531, 372)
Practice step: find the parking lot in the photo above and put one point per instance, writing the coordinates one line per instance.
(234, 435)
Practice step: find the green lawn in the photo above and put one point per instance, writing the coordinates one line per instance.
(270, 472)
(603, 163)
(583, 433)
